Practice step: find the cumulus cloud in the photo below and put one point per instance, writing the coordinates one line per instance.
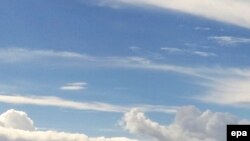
(235, 12)
(17, 120)
(76, 86)
(17, 126)
(190, 124)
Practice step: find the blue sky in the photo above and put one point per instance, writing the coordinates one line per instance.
(81, 66)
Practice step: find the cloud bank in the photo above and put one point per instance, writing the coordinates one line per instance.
(190, 124)
(235, 12)
(17, 126)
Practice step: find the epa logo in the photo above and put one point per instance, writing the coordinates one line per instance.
(238, 132)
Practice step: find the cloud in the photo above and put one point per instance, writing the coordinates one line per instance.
(134, 48)
(59, 102)
(17, 120)
(226, 86)
(189, 52)
(12, 55)
(17, 126)
(202, 28)
(190, 124)
(93, 106)
(229, 91)
(229, 40)
(228, 11)
(76, 86)
(218, 81)
(20, 55)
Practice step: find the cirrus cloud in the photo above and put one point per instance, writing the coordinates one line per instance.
(228, 11)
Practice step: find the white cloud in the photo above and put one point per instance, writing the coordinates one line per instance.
(227, 86)
(190, 124)
(202, 28)
(59, 102)
(17, 120)
(188, 52)
(215, 78)
(21, 54)
(229, 91)
(17, 55)
(134, 48)
(204, 54)
(235, 12)
(17, 126)
(93, 106)
(229, 40)
(76, 86)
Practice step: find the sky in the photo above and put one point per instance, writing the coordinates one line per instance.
(123, 70)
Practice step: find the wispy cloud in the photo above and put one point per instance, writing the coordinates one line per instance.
(20, 55)
(76, 86)
(188, 52)
(228, 86)
(229, 91)
(230, 40)
(134, 48)
(59, 102)
(228, 11)
(92, 106)
(202, 28)
(218, 80)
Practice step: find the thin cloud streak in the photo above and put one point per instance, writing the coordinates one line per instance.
(16, 55)
(19, 55)
(91, 106)
(76, 86)
(59, 102)
(188, 52)
(230, 40)
(132, 62)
